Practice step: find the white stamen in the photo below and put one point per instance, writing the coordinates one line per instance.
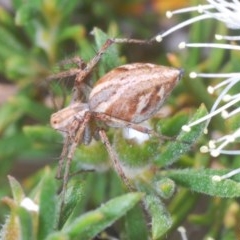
(229, 97)
(205, 131)
(214, 75)
(229, 38)
(186, 128)
(221, 146)
(212, 144)
(224, 11)
(204, 149)
(230, 152)
(169, 14)
(218, 37)
(193, 75)
(215, 153)
(181, 45)
(226, 176)
(225, 140)
(230, 114)
(232, 81)
(216, 178)
(181, 25)
(214, 111)
(213, 45)
(200, 8)
(210, 89)
(182, 232)
(211, 114)
(227, 12)
(224, 114)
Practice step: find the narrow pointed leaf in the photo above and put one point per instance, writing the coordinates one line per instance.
(110, 59)
(48, 205)
(201, 180)
(135, 224)
(26, 223)
(161, 219)
(92, 223)
(183, 142)
(17, 191)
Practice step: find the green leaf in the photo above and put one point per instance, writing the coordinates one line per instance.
(11, 228)
(57, 236)
(135, 154)
(171, 126)
(161, 219)
(33, 109)
(12, 146)
(6, 19)
(11, 44)
(19, 3)
(75, 32)
(135, 225)
(25, 14)
(94, 154)
(201, 180)
(26, 224)
(48, 206)
(39, 133)
(90, 224)
(19, 105)
(19, 68)
(110, 59)
(8, 115)
(73, 196)
(165, 187)
(67, 7)
(184, 141)
(17, 191)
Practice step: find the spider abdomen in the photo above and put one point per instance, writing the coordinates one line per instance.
(133, 92)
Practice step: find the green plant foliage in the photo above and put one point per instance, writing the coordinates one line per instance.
(201, 180)
(91, 223)
(183, 142)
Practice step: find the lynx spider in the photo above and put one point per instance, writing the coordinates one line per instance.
(143, 87)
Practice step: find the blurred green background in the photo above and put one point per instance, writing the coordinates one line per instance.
(35, 36)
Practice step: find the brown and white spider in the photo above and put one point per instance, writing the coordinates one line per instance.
(123, 98)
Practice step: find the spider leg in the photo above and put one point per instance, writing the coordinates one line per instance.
(71, 72)
(82, 69)
(93, 62)
(115, 161)
(118, 123)
(75, 60)
(63, 157)
(72, 149)
(115, 122)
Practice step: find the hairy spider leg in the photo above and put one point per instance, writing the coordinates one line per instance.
(72, 149)
(114, 159)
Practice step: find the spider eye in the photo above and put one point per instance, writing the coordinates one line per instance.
(54, 122)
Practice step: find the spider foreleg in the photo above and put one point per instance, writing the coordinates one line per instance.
(72, 148)
(114, 159)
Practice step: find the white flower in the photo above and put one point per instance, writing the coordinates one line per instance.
(226, 104)
(221, 10)
(28, 204)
